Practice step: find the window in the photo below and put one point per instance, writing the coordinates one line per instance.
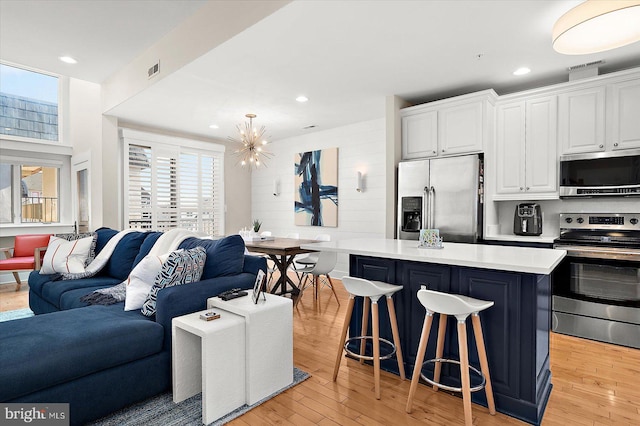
(169, 186)
(28, 192)
(28, 104)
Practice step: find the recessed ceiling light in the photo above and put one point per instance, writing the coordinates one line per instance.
(522, 71)
(214, 126)
(68, 60)
(302, 99)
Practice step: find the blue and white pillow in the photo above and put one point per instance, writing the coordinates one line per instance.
(181, 267)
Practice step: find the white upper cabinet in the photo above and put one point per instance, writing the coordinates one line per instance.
(581, 120)
(526, 154)
(420, 135)
(452, 126)
(624, 115)
(460, 128)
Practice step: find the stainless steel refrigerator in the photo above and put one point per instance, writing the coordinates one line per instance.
(444, 193)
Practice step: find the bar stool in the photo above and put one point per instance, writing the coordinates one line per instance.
(371, 291)
(461, 306)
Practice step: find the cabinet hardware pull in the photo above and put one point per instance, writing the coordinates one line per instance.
(615, 144)
(601, 146)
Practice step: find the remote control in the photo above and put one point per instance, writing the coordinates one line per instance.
(233, 295)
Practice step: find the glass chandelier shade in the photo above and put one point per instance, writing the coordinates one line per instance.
(251, 143)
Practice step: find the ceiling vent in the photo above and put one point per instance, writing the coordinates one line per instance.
(590, 69)
(154, 70)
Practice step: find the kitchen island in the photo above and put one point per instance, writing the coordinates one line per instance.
(516, 328)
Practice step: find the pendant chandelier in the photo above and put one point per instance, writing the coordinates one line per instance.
(251, 151)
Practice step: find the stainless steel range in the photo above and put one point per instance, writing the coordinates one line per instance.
(596, 288)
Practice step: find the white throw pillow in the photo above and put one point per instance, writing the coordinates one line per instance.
(64, 256)
(141, 280)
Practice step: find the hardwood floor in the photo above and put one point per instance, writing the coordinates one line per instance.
(594, 383)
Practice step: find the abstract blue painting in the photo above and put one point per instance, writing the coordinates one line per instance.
(316, 183)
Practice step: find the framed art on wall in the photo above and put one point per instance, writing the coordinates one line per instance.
(316, 187)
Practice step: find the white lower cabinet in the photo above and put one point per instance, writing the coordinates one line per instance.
(526, 154)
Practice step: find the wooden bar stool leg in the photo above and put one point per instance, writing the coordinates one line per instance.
(343, 336)
(366, 303)
(417, 367)
(396, 335)
(464, 372)
(376, 346)
(484, 365)
(442, 330)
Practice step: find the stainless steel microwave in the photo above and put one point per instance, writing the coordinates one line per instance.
(600, 174)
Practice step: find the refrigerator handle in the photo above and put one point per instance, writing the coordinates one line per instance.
(425, 207)
(432, 206)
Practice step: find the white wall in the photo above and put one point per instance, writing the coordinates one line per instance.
(361, 147)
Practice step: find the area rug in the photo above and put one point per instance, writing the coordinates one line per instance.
(17, 314)
(160, 410)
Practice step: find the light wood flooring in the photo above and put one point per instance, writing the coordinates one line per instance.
(594, 383)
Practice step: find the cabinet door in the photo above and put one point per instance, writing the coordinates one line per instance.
(460, 129)
(510, 149)
(581, 120)
(413, 276)
(540, 152)
(625, 115)
(420, 135)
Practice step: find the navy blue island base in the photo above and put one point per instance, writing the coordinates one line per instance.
(516, 328)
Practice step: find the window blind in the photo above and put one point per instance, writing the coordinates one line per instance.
(171, 187)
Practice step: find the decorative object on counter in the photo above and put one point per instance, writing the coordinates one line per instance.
(251, 140)
(256, 225)
(596, 26)
(430, 238)
(316, 182)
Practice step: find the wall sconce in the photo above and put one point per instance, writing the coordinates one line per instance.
(276, 187)
(359, 186)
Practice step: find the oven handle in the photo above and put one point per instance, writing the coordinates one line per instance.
(599, 252)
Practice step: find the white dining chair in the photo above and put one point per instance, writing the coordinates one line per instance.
(324, 265)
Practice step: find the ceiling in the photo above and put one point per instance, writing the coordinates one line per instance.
(345, 56)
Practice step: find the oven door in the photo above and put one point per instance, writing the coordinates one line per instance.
(597, 296)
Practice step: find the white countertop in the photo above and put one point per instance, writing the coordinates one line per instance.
(503, 258)
(545, 239)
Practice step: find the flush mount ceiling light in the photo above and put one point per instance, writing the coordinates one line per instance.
(214, 126)
(67, 59)
(251, 142)
(596, 25)
(302, 99)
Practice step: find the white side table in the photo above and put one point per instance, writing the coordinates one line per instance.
(269, 342)
(208, 356)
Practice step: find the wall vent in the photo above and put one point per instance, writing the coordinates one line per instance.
(590, 69)
(154, 70)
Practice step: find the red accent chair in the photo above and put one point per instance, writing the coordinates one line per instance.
(25, 255)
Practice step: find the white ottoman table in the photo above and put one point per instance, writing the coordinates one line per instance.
(269, 342)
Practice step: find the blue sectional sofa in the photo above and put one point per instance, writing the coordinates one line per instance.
(101, 358)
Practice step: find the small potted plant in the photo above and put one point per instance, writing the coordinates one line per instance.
(256, 226)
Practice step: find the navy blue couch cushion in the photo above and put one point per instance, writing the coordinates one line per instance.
(146, 246)
(46, 350)
(104, 235)
(224, 256)
(121, 261)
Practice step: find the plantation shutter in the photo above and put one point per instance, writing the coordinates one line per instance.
(174, 186)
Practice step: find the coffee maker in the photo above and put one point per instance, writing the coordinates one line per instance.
(527, 219)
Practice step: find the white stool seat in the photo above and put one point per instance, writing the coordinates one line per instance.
(367, 288)
(451, 304)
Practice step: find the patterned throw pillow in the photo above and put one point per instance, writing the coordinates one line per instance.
(181, 267)
(92, 249)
